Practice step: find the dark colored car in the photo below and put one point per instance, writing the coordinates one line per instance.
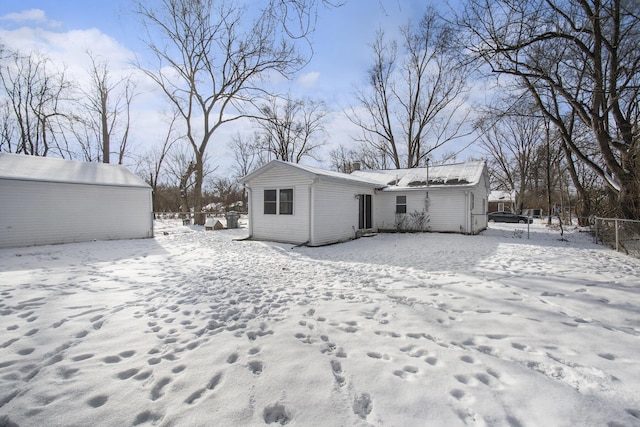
(508, 217)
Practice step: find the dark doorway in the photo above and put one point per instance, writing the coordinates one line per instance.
(365, 216)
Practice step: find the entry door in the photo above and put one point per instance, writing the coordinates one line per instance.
(365, 212)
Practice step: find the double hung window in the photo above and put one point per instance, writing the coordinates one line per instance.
(278, 202)
(401, 204)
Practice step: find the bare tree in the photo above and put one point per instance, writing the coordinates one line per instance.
(511, 137)
(291, 129)
(211, 56)
(245, 154)
(573, 57)
(416, 100)
(153, 163)
(105, 113)
(347, 160)
(33, 109)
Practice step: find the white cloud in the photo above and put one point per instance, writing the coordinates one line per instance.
(309, 80)
(36, 16)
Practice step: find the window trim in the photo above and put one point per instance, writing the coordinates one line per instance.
(274, 205)
(401, 207)
(270, 204)
(287, 204)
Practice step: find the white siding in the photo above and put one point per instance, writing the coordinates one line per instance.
(446, 210)
(37, 213)
(336, 211)
(285, 228)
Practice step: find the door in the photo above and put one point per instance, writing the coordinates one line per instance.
(364, 212)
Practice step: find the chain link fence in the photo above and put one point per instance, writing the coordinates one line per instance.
(623, 235)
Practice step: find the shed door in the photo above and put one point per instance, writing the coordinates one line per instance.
(364, 212)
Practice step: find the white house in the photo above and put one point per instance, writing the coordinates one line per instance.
(304, 205)
(47, 201)
(502, 201)
(446, 198)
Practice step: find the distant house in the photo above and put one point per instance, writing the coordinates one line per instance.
(502, 201)
(304, 205)
(47, 201)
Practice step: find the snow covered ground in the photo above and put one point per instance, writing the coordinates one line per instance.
(194, 328)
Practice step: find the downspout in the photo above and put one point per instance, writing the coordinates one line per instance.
(152, 214)
(250, 210)
(468, 210)
(312, 215)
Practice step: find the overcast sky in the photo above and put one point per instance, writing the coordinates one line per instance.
(66, 29)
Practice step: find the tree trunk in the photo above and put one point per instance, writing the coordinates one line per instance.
(199, 216)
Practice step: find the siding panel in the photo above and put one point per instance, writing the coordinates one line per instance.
(290, 228)
(37, 213)
(336, 211)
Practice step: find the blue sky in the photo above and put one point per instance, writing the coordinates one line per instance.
(66, 29)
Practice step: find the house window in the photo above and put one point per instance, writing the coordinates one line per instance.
(270, 202)
(401, 204)
(286, 202)
(278, 202)
(500, 206)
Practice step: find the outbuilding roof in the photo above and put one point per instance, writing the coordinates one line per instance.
(459, 174)
(34, 168)
(315, 173)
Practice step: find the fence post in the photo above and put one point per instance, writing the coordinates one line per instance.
(617, 238)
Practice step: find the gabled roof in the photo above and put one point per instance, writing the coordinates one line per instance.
(313, 173)
(35, 168)
(502, 196)
(459, 174)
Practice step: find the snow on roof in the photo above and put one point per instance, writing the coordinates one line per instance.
(35, 168)
(468, 173)
(316, 172)
(502, 196)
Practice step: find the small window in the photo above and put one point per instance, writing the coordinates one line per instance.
(270, 202)
(286, 202)
(500, 206)
(401, 204)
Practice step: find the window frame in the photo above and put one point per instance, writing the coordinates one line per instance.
(286, 204)
(401, 207)
(278, 201)
(270, 204)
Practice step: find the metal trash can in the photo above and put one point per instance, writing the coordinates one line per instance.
(232, 219)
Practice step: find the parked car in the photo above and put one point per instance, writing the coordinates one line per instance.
(509, 217)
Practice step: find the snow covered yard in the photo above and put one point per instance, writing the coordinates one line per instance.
(193, 328)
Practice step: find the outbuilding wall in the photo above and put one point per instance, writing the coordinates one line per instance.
(284, 228)
(40, 212)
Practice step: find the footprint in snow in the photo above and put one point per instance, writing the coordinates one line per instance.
(336, 368)
(433, 361)
(405, 371)
(467, 359)
(98, 401)
(124, 375)
(255, 366)
(376, 355)
(156, 391)
(362, 405)
(276, 413)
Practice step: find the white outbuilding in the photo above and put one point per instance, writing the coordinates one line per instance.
(45, 200)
